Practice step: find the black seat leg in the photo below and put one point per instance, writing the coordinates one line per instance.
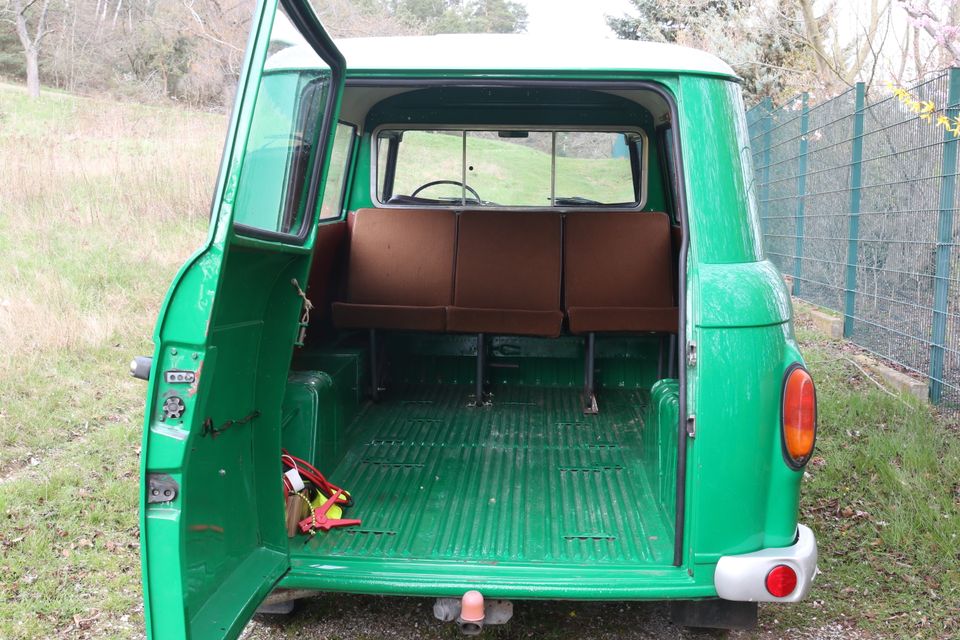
(672, 357)
(589, 394)
(481, 368)
(660, 355)
(374, 367)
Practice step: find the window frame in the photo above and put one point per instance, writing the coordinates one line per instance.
(643, 155)
(665, 152)
(347, 174)
(308, 25)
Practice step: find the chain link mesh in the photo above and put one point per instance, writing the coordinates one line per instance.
(858, 207)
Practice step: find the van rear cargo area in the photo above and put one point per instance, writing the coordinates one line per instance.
(529, 480)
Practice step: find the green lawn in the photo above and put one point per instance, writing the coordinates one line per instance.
(102, 202)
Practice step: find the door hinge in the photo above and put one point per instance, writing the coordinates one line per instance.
(692, 354)
(692, 426)
(161, 488)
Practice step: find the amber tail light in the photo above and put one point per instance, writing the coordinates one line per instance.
(799, 417)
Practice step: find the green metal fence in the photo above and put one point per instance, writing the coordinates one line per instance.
(858, 200)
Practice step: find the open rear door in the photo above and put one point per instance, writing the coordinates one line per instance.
(212, 515)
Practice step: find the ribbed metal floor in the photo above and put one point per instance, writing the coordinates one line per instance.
(528, 479)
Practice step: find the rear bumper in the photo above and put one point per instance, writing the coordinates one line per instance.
(742, 577)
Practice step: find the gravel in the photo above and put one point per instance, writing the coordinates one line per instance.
(354, 617)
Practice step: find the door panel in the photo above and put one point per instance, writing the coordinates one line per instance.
(212, 522)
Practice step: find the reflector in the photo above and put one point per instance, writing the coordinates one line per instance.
(781, 581)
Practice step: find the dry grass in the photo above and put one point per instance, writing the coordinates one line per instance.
(101, 204)
(97, 200)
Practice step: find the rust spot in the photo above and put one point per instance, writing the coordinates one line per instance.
(192, 391)
(199, 528)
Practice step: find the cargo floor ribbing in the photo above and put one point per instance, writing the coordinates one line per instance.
(528, 479)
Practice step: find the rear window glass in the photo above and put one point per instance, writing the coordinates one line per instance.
(511, 167)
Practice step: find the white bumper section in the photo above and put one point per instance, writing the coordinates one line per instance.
(743, 577)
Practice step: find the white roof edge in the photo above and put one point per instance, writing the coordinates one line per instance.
(502, 53)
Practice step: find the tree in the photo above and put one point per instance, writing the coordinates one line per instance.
(31, 39)
(666, 20)
(843, 63)
(777, 46)
(945, 32)
(749, 35)
(460, 16)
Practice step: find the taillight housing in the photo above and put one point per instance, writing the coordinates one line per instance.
(799, 416)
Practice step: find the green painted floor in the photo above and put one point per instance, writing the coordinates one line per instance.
(528, 479)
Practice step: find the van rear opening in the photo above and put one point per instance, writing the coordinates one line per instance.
(490, 368)
(528, 483)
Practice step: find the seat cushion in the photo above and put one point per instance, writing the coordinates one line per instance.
(618, 271)
(398, 317)
(402, 257)
(505, 321)
(508, 260)
(623, 319)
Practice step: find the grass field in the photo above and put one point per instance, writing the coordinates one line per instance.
(102, 202)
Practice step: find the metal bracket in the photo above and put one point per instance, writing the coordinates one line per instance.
(692, 426)
(692, 354)
(161, 488)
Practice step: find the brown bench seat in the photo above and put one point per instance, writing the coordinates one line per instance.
(508, 274)
(400, 270)
(618, 277)
(509, 267)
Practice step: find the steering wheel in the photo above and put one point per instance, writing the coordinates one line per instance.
(456, 183)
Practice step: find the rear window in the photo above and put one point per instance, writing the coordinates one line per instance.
(515, 167)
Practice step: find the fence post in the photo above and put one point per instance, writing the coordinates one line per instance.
(764, 195)
(853, 236)
(948, 176)
(801, 191)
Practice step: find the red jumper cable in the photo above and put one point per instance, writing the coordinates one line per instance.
(318, 518)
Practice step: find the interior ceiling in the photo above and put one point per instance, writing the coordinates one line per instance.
(358, 100)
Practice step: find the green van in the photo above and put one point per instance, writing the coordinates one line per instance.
(480, 319)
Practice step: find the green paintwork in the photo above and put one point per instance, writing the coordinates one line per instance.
(529, 484)
(211, 554)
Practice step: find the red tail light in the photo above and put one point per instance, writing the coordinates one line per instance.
(781, 581)
(799, 416)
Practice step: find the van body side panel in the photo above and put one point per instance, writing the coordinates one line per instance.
(719, 181)
(741, 494)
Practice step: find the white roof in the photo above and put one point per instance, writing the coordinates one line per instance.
(497, 52)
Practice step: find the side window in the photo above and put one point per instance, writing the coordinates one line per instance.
(335, 189)
(283, 143)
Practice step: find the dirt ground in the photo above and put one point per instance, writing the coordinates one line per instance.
(352, 617)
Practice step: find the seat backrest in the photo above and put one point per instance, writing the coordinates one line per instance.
(402, 257)
(509, 260)
(621, 259)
